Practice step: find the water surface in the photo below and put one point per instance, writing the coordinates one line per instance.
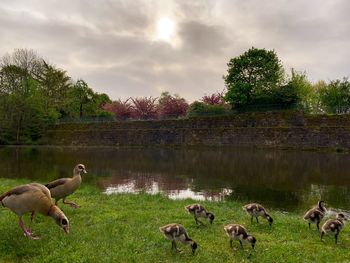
(287, 180)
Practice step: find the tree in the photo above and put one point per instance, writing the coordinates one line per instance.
(122, 110)
(214, 99)
(171, 106)
(78, 98)
(253, 77)
(145, 108)
(335, 96)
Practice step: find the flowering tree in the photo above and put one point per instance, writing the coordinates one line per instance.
(144, 108)
(214, 99)
(122, 109)
(172, 106)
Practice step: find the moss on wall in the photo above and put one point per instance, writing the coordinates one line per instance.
(269, 129)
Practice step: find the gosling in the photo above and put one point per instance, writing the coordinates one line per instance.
(316, 214)
(238, 232)
(256, 210)
(176, 232)
(333, 226)
(197, 210)
(61, 188)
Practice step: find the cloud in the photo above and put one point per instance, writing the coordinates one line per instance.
(111, 44)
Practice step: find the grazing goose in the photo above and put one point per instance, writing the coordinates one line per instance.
(238, 232)
(33, 198)
(197, 210)
(61, 188)
(256, 210)
(315, 215)
(333, 226)
(175, 232)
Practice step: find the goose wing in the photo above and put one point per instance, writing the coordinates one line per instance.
(56, 183)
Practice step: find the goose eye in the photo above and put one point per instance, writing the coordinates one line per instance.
(64, 222)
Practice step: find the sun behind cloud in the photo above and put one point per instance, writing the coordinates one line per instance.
(165, 30)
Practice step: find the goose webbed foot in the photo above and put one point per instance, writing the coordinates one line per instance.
(72, 204)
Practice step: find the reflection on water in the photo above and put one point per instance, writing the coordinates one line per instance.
(131, 187)
(287, 180)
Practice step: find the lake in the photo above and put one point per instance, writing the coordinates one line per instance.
(286, 180)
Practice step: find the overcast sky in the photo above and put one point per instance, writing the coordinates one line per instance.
(140, 48)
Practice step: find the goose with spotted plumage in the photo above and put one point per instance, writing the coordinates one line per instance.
(238, 232)
(316, 214)
(197, 210)
(333, 226)
(176, 232)
(256, 210)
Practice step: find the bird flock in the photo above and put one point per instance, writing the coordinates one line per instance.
(176, 232)
(36, 198)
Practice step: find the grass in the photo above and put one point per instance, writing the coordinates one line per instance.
(124, 228)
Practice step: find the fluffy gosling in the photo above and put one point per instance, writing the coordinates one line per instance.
(316, 214)
(256, 210)
(176, 232)
(238, 232)
(333, 226)
(197, 210)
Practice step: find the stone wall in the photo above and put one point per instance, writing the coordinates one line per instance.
(271, 129)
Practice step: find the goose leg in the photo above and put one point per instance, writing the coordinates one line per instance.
(176, 249)
(336, 238)
(198, 222)
(309, 225)
(241, 243)
(72, 204)
(318, 225)
(322, 234)
(230, 242)
(257, 219)
(25, 231)
(31, 222)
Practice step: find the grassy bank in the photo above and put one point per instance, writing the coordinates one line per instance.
(124, 228)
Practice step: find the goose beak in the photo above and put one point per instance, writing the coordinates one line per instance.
(84, 171)
(66, 229)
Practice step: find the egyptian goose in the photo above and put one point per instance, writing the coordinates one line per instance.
(256, 210)
(33, 198)
(175, 232)
(333, 226)
(197, 210)
(61, 188)
(238, 232)
(315, 215)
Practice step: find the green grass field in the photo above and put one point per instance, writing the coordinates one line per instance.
(124, 228)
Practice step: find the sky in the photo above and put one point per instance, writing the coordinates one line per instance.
(136, 48)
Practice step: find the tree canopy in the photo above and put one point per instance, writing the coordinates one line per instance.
(35, 94)
(253, 77)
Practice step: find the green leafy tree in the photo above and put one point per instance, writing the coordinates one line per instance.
(253, 77)
(297, 92)
(335, 96)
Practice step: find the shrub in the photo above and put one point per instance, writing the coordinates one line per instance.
(144, 108)
(121, 109)
(172, 106)
(200, 109)
(214, 99)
